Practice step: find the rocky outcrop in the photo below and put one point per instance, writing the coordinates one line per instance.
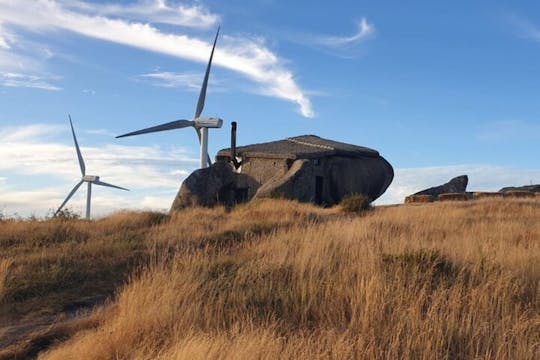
(531, 188)
(456, 185)
(206, 187)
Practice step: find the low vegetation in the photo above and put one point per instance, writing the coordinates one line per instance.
(279, 279)
(355, 203)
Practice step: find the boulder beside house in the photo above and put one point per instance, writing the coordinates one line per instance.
(307, 168)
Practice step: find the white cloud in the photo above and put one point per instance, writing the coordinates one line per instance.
(12, 79)
(20, 63)
(89, 92)
(407, 181)
(170, 79)
(5, 38)
(245, 56)
(153, 174)
(525, 28)
(153, 11)
(365, 30)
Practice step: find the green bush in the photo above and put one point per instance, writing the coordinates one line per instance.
(355, 203)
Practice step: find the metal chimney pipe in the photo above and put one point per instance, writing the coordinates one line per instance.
(233, 145)
(233, 139)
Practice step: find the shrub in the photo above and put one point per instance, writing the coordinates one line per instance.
(355, 203)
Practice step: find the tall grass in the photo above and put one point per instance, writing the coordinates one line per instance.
(278, 279)
(4, 268)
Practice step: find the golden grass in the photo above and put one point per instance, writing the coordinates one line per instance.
(4, 268)
(278, 279)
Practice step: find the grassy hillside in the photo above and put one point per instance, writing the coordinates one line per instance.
(277, 279)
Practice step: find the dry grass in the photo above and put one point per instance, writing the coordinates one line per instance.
(4, 268)
(278, 279)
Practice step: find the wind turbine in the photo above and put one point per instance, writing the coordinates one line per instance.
(90, 179)
(201, 124)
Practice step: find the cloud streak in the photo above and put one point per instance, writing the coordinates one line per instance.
(175, 80)
(248, 57)
(525, 28)
(365, 31)
(153, 11)
(13, 79)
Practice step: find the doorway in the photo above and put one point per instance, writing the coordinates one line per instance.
(318, 190)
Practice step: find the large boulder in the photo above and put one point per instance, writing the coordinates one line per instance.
(531, 188)
(206, 187)
(456, 185)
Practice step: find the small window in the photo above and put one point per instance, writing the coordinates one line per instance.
(316, 162)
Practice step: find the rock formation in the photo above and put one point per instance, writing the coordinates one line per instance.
(456, 185)
(205, 187)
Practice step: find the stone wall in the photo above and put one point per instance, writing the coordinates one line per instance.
(340, 176)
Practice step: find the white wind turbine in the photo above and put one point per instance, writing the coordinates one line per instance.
(90, 179)
(201, 124)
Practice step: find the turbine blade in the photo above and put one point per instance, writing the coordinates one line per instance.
(98, 182)
(202, 95)
(69, 197)
(178, 124)
(79, 155)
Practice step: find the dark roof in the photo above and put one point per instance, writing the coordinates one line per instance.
(301, 147)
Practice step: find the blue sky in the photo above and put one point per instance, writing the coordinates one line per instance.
(439, 89)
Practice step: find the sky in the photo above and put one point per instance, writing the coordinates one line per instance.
(440, 89)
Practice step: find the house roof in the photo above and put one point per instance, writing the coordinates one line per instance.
(301, 147)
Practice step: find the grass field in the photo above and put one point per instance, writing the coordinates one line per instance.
(276, 279)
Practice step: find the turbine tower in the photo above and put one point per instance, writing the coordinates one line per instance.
(90, 179)
(200, 124)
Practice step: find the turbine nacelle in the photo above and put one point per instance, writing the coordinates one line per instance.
(90, 178)
(205, 122)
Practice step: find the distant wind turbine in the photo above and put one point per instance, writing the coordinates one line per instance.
(201, 124)
(90, 179)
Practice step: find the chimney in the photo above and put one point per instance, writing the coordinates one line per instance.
(233, 146)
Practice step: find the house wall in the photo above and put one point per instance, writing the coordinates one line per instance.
(340, 176)
(254, 172)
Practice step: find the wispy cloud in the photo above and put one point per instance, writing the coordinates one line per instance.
(365, 30)
(171, 79)
(89, 92)
(524, 28)
(35, 151)
(482, 177)
(246, 56)
(11, 79)
(153, 11)
(4, 38)
(20, 63)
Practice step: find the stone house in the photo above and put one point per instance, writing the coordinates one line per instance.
(306, 168)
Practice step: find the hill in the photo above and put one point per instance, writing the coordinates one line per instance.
(276, 279)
